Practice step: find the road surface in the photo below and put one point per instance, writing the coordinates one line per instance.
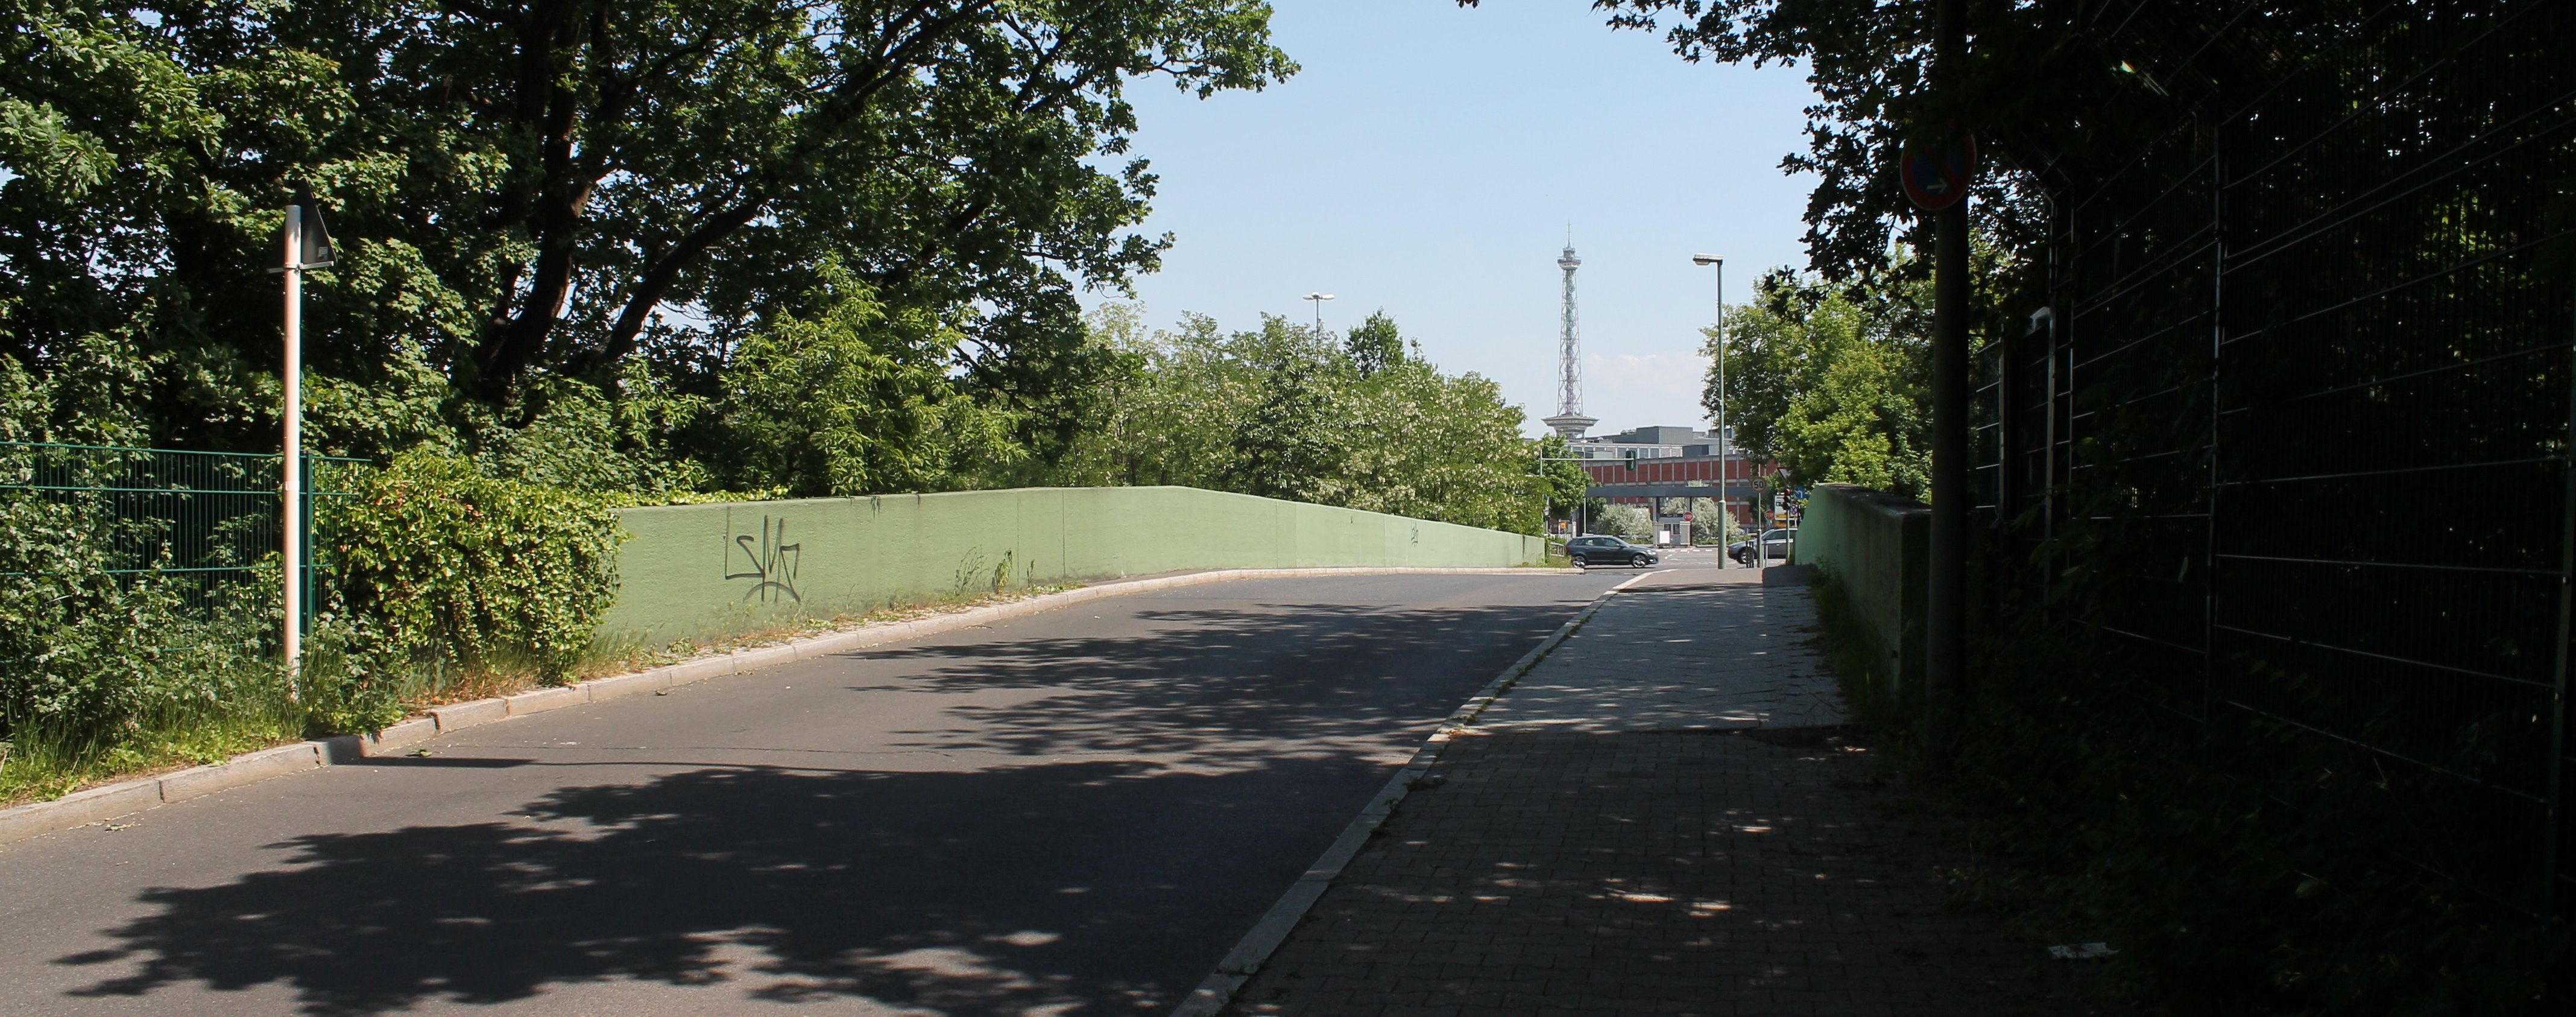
(1071, 813)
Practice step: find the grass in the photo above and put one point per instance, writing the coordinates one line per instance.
(40, 762)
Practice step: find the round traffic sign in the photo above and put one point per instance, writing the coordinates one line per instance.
(1937, 173)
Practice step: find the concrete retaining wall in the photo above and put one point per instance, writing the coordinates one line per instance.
(1876, 548)
(703, 571)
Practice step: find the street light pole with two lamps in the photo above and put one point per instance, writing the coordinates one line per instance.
(1319, 299)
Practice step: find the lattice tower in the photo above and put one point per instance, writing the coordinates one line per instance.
(1569, 393)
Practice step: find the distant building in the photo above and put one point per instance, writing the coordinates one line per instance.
(1648, 443)
(1671, 464)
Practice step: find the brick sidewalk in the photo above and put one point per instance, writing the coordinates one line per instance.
(1575, 853)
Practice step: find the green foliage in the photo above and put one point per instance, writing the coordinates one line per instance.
(1562, 480)
(109, 665)
(1711, 526)
(1286, 413)
(1374, 345)
(1832, 383)
(1870, 62)
(446, 566)
(529, 196)
(855, 400)
(1289, 447)
(581, 438)
(1628, 521)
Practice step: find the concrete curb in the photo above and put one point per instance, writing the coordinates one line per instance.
(1238, 966)
(126, 798)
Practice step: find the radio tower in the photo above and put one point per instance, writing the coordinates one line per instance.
(1569, 419)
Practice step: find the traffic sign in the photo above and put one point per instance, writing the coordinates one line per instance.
(1937, 172)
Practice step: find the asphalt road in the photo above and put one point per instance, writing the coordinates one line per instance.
(1070, 813)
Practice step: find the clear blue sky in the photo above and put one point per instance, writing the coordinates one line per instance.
(1427, 161)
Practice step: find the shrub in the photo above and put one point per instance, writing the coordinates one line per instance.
(447, 567)
(1622, 521)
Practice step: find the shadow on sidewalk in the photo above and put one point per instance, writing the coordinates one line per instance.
(1701, 872)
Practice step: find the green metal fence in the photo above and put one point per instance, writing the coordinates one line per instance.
(201, 523)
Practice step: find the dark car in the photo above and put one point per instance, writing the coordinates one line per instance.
(1589, 551)
(1774, 546)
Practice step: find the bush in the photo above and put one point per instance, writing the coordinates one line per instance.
(1627, 521)
(104, 672)
(443, 566)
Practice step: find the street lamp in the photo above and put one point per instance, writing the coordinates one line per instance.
(1319, 299)
(1725, 463)
(306, 245)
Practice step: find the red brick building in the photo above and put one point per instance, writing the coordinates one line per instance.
(1636, 467)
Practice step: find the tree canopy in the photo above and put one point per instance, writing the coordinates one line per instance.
(1831, 382)
(536, 192)
(1287, 412)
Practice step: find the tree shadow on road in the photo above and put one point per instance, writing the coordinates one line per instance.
(1136, 804)
(761, 883)
(1221, 688)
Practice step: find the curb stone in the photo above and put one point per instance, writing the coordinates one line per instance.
(79, 809)
(125, 798)
(1217, 991)
(459, 716)
(542, 700)
(249, 768)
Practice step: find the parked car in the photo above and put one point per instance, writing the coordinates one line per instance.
(1590, 551)
(1774, 547)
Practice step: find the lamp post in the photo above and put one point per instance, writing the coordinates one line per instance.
(306, 244)
(291, 492)
(1319, 299)
(1725, 462)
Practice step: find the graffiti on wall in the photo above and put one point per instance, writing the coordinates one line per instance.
(767, 559)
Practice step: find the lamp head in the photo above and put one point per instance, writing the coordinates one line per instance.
(1319, 296)
(1705, 260)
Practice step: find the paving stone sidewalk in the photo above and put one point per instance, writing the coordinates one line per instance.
(1663, 817)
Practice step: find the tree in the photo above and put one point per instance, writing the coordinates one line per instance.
(1562, 481)
(1711, 526)
(852, 401)
(1291, 446)
(1434, 446)
(1375, 345)
(1831, 381)
(548, 187)
(1628, 521)
(1283, 412)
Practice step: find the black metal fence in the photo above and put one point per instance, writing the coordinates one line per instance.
(2295, 428)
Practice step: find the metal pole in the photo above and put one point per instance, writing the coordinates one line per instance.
(292, 491)
(1945, 621)
(1725, 458)
(1317, 298)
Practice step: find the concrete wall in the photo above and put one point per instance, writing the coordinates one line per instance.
(1876, 548)
(700, 571)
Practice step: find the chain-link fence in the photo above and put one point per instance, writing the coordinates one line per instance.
(2295, 427)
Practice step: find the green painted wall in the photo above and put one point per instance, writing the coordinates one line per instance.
(1876, 547)
(701, 571)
